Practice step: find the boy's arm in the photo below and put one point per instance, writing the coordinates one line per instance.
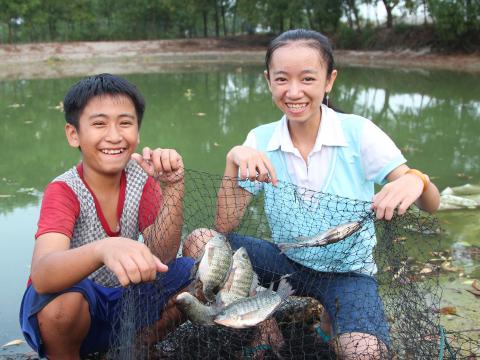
(55, 267)
(232, 200)
(164, 234)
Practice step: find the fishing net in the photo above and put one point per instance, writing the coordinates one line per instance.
(403, 253)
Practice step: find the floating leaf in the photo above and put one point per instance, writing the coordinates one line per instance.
(474, 292)
(216, 144)
(16, 106)
(476, 285)
(201, 114)
(447, 266)
(426, 270)
(13, 342)
(448, 310)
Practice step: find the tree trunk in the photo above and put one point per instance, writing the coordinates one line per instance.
(222, 11)
(205, 23)
(10, 32)
(389, 9)
(234, 20)
(217, 20)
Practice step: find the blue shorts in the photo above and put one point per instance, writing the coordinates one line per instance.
(105, 303)
(350, 299)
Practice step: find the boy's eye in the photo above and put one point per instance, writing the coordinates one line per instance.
(308, 79)
(126, 123)
(280, 79)
(98, 123)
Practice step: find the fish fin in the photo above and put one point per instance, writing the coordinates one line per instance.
(286, 246)
(284, 289)
(255, 283)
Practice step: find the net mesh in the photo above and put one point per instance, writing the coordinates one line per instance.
(301, 327)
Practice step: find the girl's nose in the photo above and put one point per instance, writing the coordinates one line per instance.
(294, 90)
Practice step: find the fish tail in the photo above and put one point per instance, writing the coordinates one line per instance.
(286, 246)
(284, 289)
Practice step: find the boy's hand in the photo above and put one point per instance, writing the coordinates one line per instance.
(251, 161)
(130, 260)
(166, 165)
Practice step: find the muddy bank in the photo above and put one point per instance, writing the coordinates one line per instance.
(51, 60)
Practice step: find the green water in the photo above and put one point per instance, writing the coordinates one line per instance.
(433, 116)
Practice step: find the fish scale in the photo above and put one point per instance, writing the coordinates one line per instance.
(251, 311)
(215, 265)
(240, 279)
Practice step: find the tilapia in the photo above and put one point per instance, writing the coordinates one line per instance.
(196, 312)
(241, 280)
(253, 310)
(328, 237)
(215, 265)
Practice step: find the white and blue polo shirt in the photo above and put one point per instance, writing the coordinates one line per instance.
(350, 155)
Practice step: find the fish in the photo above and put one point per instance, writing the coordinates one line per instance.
(241, 280)
(214, 265)
(328, 237)
(195, 311)
(251, 311)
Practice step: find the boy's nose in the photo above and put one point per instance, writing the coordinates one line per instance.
(113, 134)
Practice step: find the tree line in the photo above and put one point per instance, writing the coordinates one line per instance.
(454, 22)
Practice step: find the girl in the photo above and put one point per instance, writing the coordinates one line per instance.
(315, 147)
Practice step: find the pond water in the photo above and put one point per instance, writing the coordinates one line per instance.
(433, 116)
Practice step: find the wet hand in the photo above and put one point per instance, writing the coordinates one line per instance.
(165, 165)
(252, 164)
(398, 194)
(130, 260)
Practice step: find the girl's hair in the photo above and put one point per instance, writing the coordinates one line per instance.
(310, 38)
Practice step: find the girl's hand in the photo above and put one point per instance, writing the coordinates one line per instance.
(398, 194)
(130, 260)
(165, 165)
(253, 163)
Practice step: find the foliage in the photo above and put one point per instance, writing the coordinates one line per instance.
(456, 22)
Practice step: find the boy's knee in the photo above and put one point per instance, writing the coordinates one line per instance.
(360, 346)
(65, 312)
(194, 243)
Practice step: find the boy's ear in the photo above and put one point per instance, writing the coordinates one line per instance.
(72, 135)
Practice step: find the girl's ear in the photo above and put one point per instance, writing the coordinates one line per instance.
(265, 74)
(330, 81)
(72, 135)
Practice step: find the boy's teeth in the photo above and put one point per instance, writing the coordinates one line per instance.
(112, 152)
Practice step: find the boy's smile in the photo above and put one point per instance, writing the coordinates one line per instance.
(107, 134)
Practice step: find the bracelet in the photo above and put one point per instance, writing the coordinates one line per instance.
(422, 176)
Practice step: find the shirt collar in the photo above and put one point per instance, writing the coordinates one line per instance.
(330, 133)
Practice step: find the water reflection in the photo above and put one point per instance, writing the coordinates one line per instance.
(432, 116)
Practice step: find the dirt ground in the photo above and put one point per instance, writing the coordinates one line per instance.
(51, 60)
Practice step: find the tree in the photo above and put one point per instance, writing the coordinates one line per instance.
(13, 12)
(389, 6)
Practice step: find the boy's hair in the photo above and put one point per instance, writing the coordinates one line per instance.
(97, 85)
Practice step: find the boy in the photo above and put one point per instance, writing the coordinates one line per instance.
(86, 244)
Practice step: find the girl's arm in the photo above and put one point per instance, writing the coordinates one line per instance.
(242, 162)
(405, 188)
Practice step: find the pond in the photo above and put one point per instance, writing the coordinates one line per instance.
(433, 116)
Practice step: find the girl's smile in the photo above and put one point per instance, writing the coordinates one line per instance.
(298, 81)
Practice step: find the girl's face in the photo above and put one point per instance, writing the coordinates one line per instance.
(298, 81)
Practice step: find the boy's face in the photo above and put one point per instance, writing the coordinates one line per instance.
(107, 134)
